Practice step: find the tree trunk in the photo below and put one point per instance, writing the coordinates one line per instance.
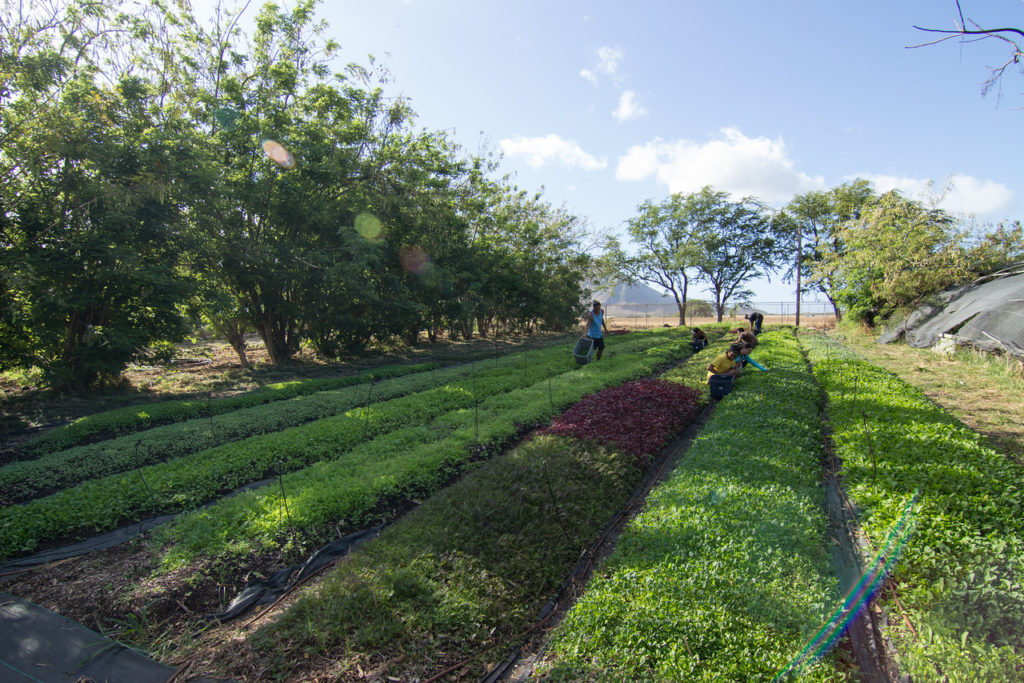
(238, 344)
(835, 307)
(274, 332)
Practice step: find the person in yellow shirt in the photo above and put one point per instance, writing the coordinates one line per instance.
(725, 364)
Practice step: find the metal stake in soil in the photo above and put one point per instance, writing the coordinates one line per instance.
(550, 399)
(476, 408)
(366, 412)
(138, 468)
(209, 413)
(856, 380)
(284, 497)
(871, 447)
(554, 501)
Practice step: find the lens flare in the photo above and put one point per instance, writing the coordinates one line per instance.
(858, 598)
(414, 259)
(277, 153)
(369, 227)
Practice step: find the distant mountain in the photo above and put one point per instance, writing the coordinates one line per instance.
(631, 294)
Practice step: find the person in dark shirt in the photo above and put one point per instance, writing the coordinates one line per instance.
(756, 320)
(698, 340)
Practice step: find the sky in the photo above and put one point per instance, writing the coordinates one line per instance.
(605, 104)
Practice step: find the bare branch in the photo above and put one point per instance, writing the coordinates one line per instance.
(978, 33)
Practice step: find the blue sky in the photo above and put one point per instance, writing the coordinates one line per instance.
(605, 104)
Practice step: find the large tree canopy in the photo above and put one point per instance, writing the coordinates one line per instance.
(91, 214)
(154, 169)
(703, 236)
(811, 223)
(668, 237)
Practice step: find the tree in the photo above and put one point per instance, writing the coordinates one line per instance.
(968, 31)
(738, 244)
(897, 253)
(997, 249)
(292, 155)
(668, 237)
(811, 224)
(91, 227)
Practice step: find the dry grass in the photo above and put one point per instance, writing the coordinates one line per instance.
(986, 393)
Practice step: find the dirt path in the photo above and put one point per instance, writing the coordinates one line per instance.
(985, 394)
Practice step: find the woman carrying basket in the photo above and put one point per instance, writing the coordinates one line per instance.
(594, 325)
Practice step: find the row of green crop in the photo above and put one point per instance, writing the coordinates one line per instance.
(724, 575)
(471, 566)
(476, 562)
(135, 418)
(405, 464)
(186, 482)
(20, 481)
(960, 579)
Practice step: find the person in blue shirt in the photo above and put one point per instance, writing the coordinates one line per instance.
(745, 358)
(595, 325)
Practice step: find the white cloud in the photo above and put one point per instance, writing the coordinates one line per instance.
(609, 59)
(958, 194)
(731, 162)
(551, 148)
(628, 107)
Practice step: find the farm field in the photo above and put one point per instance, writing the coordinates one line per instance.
(402, 464)
(724, 572)
(954, 598)
(292, 382)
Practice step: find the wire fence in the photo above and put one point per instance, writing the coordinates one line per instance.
(818, 314)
